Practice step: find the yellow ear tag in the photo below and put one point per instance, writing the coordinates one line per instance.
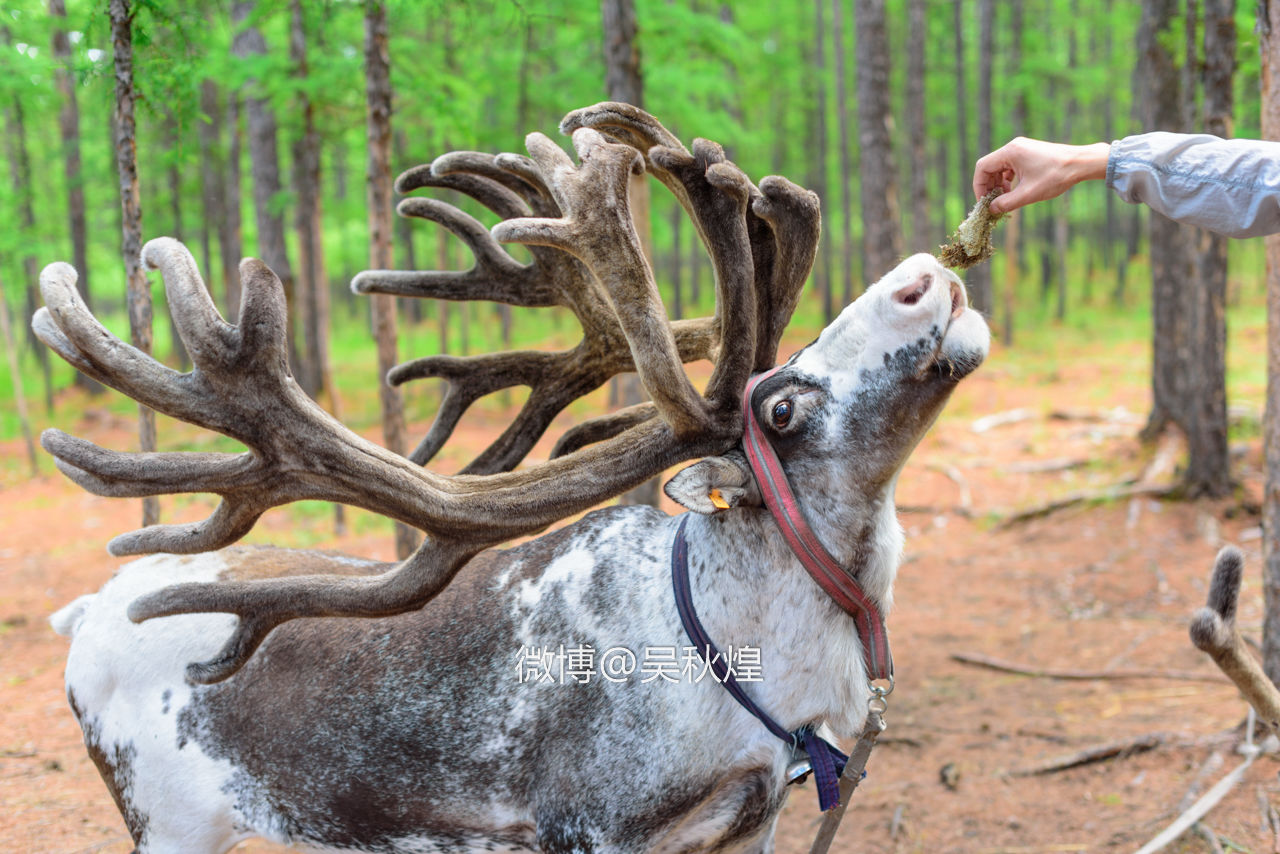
(718, 500)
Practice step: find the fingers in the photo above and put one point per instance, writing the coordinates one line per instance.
(1013, 164)
(1031, 170)
(994, 170)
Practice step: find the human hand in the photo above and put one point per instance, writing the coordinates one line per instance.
(1031, 170)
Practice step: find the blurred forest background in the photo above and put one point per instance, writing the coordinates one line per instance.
(251, 140)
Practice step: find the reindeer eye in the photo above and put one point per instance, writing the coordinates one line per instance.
(782, 413)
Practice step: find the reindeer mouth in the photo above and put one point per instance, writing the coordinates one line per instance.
(955, 359)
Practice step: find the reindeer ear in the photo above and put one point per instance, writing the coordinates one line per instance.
(715, 484)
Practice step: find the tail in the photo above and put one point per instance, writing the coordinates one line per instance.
(66, 620)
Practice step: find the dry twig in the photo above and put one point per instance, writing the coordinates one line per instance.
(1105, 493)
(987, 661)
(1199, 809)
(1121, 749)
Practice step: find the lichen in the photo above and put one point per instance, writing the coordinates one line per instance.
(971, 244)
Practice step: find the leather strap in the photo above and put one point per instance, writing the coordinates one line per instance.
(819, 563)
(825, 759)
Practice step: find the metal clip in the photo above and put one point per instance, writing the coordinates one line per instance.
(799, 768)
(878, 704)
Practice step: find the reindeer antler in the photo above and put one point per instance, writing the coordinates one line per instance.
(576, 220)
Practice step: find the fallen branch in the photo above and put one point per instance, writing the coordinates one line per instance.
(1213, 631)
(987, 661)
(1199, 809)
(1111, 750)
(1118, 415)
(935, 510)
(999, 419)
(1106, 493)
(1055, 464)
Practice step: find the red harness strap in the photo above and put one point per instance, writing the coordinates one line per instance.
(824, 569)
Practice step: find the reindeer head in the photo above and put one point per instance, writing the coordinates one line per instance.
(844, 413)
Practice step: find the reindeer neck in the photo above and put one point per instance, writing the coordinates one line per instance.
(749, 589)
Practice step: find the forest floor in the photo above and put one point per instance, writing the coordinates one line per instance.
(1103, 585)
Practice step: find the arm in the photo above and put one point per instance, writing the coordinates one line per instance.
(1231, 186)
(1031, 170)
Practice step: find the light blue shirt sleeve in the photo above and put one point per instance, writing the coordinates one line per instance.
(1230, 186)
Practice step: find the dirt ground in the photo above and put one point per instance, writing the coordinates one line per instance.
(1101, 586)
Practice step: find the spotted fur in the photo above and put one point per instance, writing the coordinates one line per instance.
(415, 733)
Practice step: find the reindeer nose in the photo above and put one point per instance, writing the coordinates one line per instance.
(911, 294)
(959, 299)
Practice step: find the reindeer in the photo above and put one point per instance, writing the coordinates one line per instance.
(402, 721)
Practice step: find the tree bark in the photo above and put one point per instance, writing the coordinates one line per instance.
(378, 98)
(1208, 470)
(1189, 287)
(212, 175)
(313, 286)
(1062, 217)
(406, 248)
(1159, 93)
(264, 160)
(846, 149)
(1269, 47)
(20, 175)
(15, 375)
(921, 229)
(624, 82)
(965, 181)
(177, 349)
(978, 279)
(819, 183)
(139, 293)
(1013, 241)
(230, 238)
(881, 231)
(69, 131)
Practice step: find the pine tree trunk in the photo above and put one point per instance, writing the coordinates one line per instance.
(230, 238)
(961, 142)
(69, 131)
(1062, 218)
(212, 169)
(921, 229)
(264, 162)
(978, 279)
(404, 233)
(15, 376)
(1013, 240)
(1269, 47)
(1208, 471)
(1112, 239)
(623, 82)
(819, 183)
(312, 286)
(1160, 95)
(178, 349)
(881, 229)
(20, 175)
(846, 273)
(139, 292)
(378, 97)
